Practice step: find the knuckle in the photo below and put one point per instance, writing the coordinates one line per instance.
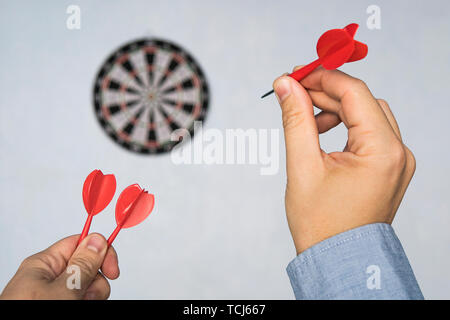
(31, 260)
(359, 85)
(26, 262)
(397, 157)
(410, 160)
(382, 101)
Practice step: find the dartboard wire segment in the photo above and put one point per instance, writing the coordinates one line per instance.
(146, 90)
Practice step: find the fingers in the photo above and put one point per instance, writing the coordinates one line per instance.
(65, 271)
(328, 118)
(410, 165)
(59, 254)
(53, 260)
(368, 125)
(110, 266)
(300, 129)
(99, 289)
(84, 263)
(343, 98)
(64, 247)
(358, 106)
(326, 121)
(390, 116)
(322, 101)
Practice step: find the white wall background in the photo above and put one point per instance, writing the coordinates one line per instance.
(217, 231)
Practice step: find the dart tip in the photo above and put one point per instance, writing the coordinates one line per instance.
(266, 94)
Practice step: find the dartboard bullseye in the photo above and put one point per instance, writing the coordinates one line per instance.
(147, 89)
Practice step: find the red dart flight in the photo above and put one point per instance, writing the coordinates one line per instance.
(133, 206)
(98, 191)
(334, 48)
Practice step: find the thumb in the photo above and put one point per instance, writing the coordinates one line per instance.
(300, 128)
(82, 267)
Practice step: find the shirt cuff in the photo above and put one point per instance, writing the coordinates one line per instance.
(363, 263)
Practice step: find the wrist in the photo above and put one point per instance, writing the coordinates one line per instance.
(309, 236)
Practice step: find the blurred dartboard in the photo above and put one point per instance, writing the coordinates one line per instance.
(147, 89)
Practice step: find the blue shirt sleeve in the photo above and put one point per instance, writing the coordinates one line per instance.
(363, 263)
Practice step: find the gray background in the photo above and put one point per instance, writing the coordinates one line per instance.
(217, 231)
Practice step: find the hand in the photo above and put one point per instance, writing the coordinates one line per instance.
(45, 275)
(327, 194)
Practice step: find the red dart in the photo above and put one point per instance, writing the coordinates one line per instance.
(133, 206)
(334, 48)
(98, 191)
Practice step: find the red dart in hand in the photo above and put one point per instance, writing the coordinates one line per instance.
(133, 206)
(98, 191)
(334, 48)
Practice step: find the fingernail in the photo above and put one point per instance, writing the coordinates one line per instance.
(282, 88)
(96, 243)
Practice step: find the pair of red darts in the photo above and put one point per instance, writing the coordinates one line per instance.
(132, 207)
(334, 48)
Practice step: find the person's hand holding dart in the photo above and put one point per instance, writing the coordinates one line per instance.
(69, 269)
(329, 193)
(54, 272)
